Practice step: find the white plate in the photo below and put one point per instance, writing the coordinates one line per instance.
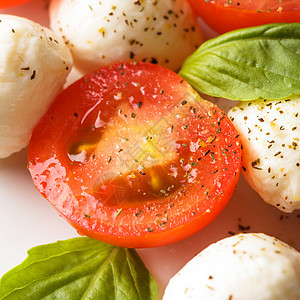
(28, 220)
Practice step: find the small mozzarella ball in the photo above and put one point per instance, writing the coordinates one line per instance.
(242, 267)
(100, 33)
(34, 64)
(270, 135)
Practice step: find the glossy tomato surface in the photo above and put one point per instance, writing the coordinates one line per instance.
(224, 15)
(131, 155)
(11, 3)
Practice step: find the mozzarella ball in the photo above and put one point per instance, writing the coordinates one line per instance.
(270, 135)
(34, 64)
(242, 267)
(100, 33)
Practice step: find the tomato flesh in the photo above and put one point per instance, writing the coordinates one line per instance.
(224, 15)
(11, 3)
(131, 155)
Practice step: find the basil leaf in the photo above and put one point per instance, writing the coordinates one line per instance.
(79, 268)
(248, 64)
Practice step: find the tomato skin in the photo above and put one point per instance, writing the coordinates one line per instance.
(11, 3)
(223, 17)
(151, 95)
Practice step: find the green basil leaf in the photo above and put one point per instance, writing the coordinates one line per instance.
(79, 268)
(248, 64)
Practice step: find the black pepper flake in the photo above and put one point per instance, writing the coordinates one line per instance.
(142, 173)
(193, 109)
(150, 229)
(75, 114)
(184, 102)
(243, 228)
(206, 152)
(255, 163)
(33, 75)
(131, 55)
(138, 213)
(133, 115)
(153, 61)
(139, 104)
(213, 139)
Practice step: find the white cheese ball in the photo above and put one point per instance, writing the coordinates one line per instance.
(100, 33)
(242, 267)
(270, 135)
(34, 64)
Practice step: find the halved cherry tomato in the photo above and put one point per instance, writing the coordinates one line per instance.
(225, 15)
(11, 3)
(131, 155)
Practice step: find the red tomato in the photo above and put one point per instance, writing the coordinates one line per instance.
(131, 155)
(11, 3)
(225, 15)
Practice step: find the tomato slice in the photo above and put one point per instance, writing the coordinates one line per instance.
(225, 15)
(131, 155)
(11, 3)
